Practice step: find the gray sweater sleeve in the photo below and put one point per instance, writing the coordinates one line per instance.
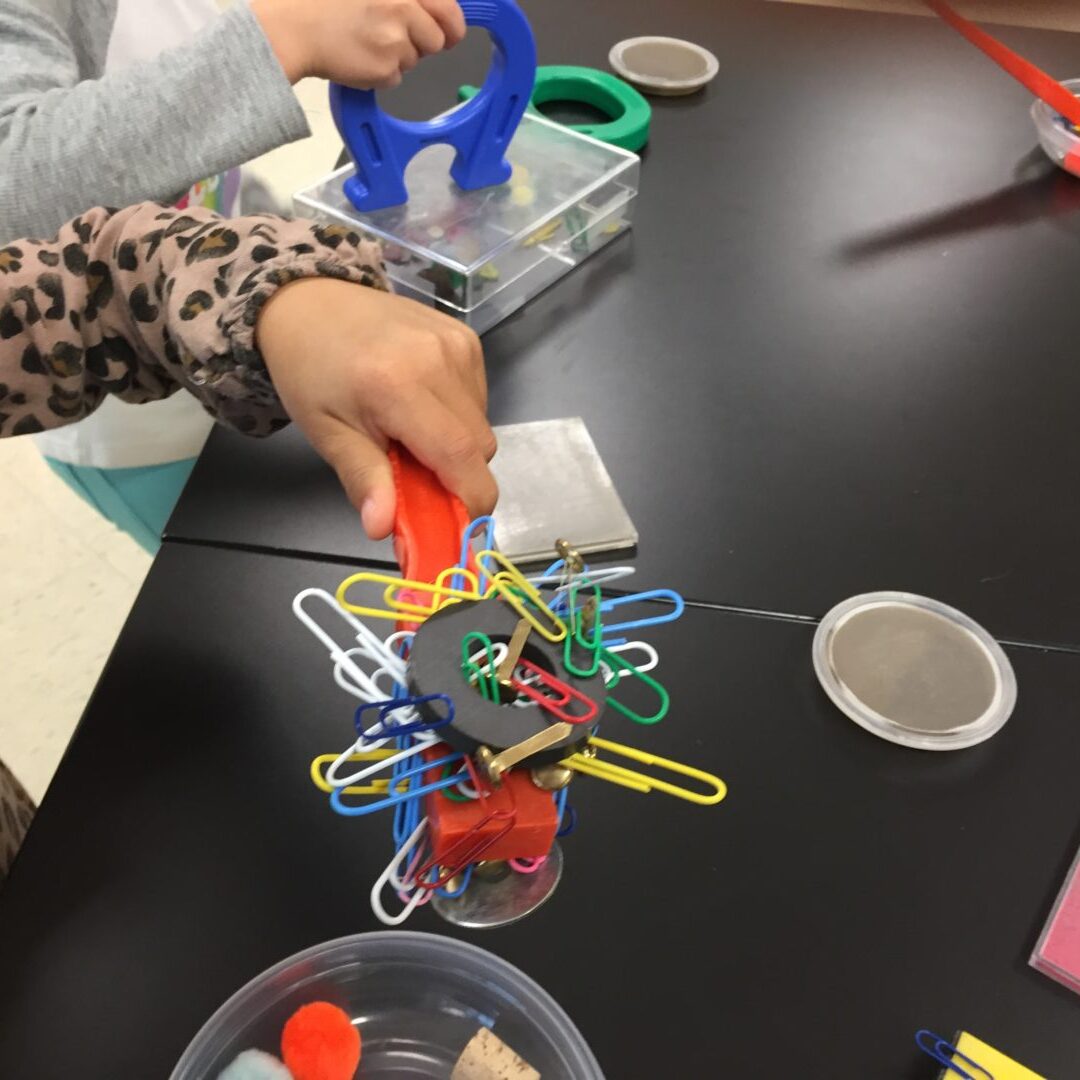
(147, 132)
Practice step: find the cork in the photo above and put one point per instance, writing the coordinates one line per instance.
(487, 1057)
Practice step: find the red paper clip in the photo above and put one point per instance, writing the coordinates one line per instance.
(562, 694)
(470, 847)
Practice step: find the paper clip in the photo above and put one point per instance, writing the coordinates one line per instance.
(564, 809)
(325, 782)
(508, 582)
(383, 879)
(391, 585)
(652, 658)
(483, 677)
(557, 704)
(407, 812)
(380, 730)
(678, 605)
(556, 575)
(944, 1053)
(382, 758)
(403, 595)
(486, 523)
(527, 866)
(466, 877)
(588, 763)
(619, 666)
(396, 794)
(369, 645)
(469, 849)
(592, 647)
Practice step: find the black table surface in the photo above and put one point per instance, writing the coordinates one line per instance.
(837, 351)
(845, 894)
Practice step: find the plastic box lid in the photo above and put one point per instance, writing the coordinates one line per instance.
(482, 241)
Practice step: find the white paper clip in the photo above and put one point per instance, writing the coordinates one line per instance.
(389, 876)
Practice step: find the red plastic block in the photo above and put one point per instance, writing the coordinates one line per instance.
(449, 822)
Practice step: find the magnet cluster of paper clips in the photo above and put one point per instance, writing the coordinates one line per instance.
(482, 706)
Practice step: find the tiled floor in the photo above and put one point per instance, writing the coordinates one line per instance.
(67, 578)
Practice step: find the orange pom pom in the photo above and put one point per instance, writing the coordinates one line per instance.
(320, 1043)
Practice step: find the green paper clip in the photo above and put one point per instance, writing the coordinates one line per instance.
(614, 661)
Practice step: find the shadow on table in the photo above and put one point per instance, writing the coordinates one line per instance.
(1041, 190)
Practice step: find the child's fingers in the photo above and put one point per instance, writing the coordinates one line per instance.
(463, 352)
(464, 406)
(451, 445)
(426, 34)
(447, 13)
(365, 473)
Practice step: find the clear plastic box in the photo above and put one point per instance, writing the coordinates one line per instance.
(1061, 144)
(417, 1000)
(480, 255)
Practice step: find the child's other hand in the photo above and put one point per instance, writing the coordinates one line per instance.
(368, 44)
(356, 368)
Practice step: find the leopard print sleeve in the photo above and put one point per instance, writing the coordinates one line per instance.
(143, 301)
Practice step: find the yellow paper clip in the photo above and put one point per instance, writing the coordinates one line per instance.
(508, 582)
(591, 765)
(440, 591)
(376, 787)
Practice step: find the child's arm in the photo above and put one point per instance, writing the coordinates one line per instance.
(143, 301)
(71, 138)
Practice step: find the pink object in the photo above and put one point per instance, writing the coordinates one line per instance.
(527, 866)
(1058, 951)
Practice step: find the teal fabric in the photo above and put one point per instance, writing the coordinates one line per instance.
(139, 500)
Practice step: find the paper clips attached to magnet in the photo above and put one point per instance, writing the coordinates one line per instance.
(398, 793)
(591, 764)
(384, 728)
(484, 525)
(649, 597)
(399, 608)
(327, 780)
(618, 667)
(559, 696)
(516, 589)
(576, 642)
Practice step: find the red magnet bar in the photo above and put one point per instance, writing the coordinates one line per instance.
(428, 523)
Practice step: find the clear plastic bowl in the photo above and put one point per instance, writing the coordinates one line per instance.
(1061, 145)
(417, 1000)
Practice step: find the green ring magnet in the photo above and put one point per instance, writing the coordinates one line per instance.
(629, 111)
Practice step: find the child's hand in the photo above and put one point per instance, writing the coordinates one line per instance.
(368, 44)
(355, 368)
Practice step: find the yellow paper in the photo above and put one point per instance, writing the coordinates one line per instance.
(993, 1061)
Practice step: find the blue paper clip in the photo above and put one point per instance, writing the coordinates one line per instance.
(562, 808)
(466, 877)
(943, 1052)
(669, 595)
(407, 813)
(380, 731)
(396, 796)
(487, 523)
